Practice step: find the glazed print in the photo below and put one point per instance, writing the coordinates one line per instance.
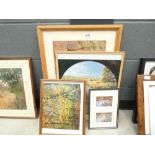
(61, 106)
(12, 95)
(85, 45)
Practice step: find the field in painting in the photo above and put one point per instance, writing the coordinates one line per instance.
(88, 45)
(12, 94)
(104, 117)
(61, 106)
(96, 75)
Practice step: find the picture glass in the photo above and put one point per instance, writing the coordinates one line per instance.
(149, 68)
(104, 117)
(16, 88)
(80, 45)
(12, 95)
(104, 101)
(149, 112)
(62, 107)
(99, 73)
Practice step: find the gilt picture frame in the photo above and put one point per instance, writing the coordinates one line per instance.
(55, 38)
(17, 98)
(62, 109)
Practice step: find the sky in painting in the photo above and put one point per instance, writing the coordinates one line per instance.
(87, 69)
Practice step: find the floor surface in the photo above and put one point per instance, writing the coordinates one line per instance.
(31, 126)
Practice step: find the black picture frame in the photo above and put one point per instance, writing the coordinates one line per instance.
(143, 63)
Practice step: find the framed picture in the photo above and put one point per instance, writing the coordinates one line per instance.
(100, 70)
(147, 66)
(149, 107)
(75, 38)
(62, 108)
(140, 102)
(16, 88)
(103, 108)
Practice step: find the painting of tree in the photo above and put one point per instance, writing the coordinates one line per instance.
(96, 74)
(61, 106)
(12, 94)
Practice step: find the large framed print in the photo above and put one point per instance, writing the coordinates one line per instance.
(16, 88)
(140, 101)
(100, 70)
(103, 108)
(62, 109)
(75, 38)
(147, 66)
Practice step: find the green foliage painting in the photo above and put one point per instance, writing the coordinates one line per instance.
(61, 106)
(12, 94)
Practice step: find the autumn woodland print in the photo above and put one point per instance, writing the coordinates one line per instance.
(12, 95)
(61, 106)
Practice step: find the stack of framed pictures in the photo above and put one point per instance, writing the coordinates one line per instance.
(71, 53)
(145, 97)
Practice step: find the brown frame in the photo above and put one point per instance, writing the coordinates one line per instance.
(29, 59)
(41, 103)
(98, 52)
(140, 101)
(45, 28)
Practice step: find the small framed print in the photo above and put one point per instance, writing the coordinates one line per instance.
(149, 107)
(147, 66)
(103, 108)
(16, 88)
(62, 108)
(73, 38)
(100, 70)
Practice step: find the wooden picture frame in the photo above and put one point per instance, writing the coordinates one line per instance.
(147, 66)
(113, 60)
(140, 101)
(57, 126)
(110, 34)
(104, 105)
(17, 99)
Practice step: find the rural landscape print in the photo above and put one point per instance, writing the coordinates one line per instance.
(104, 101)
(88, 45)
(61, 106)
(104, 117)
(12, 95)
(96, 74)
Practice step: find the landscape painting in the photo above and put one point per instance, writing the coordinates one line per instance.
(12, 95)
(81, 45)
(97, 74)
(104, 101)
(104, 117)
(61, 106)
